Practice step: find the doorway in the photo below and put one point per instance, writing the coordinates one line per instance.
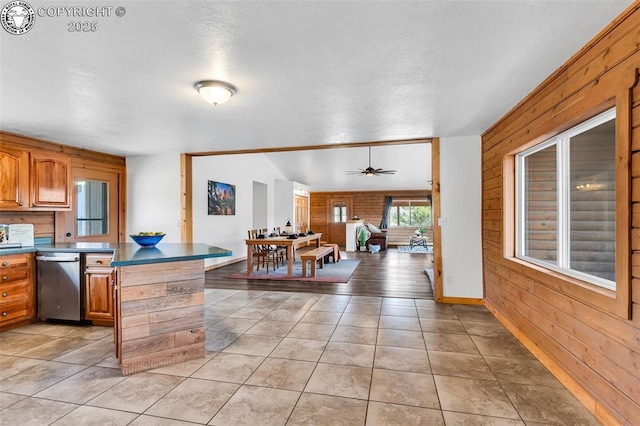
(302, 213)
(260, 205)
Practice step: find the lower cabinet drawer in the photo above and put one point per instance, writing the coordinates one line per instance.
(13, 291)
(8, 275)
(97, 260)
(13, 309)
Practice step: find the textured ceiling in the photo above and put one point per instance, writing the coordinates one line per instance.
(307, 72)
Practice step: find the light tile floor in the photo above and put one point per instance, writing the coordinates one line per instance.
(276, 358)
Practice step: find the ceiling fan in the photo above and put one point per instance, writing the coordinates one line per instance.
(370, 171)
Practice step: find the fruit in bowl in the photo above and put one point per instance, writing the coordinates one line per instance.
(147, 239)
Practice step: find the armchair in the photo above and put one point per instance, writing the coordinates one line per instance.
(380, 238)
(374, 235)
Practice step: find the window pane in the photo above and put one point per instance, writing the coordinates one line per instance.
(420, 214)
(336, 214)
(540, 219)
(339, 213)
(403, 215)
(393, 216)
(92, 208)
(592, 210)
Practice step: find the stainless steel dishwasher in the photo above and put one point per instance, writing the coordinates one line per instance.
(59, 290)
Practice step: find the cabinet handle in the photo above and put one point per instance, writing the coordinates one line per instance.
(5, 294)
(20, 203)
(33, 205)
(4, 263)
(4, 278)
(99, 262)
(4, 314)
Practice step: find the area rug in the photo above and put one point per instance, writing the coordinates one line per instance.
(332, 272)
(415, 249)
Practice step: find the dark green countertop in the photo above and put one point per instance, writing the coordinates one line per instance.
(125, 254)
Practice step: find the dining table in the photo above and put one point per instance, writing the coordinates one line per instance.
(290, 243)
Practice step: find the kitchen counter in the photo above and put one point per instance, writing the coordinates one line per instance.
(125, 254)
(158, 299)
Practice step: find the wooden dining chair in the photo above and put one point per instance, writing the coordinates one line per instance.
(281, 250)
(263, 252)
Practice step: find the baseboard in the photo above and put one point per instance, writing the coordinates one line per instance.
(590, 403)
(461, 300)
(225, 263)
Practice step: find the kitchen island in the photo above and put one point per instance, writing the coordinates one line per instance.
(158, 297)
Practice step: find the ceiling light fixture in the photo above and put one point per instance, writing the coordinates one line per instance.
(215, 91)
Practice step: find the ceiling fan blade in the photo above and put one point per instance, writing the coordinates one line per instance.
(385, 172)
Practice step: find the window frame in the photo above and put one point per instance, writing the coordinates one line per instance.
(562, 143)
(397, 208)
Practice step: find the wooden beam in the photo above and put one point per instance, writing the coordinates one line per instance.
(314, 147)
(186, 197)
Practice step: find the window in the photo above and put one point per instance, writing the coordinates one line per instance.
(92, 207)
(339, 213)
(566, 205)
(410, 213)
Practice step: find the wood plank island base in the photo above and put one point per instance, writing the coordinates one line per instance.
(161, 314)
(160, 305)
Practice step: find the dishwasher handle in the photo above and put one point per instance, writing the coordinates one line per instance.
(58, 258)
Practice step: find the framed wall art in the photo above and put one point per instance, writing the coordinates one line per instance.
(222, 198)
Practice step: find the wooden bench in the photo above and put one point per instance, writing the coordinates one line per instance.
(315, 256)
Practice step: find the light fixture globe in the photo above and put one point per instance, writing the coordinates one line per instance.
(215, 91)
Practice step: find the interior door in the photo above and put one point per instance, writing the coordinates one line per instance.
(94, 214)
(339, 210)
(302, 213)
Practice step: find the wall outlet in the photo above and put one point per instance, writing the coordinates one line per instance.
(442, 221)
(449, 279)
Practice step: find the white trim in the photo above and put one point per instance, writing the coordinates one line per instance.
(591, 279)
(563, 193)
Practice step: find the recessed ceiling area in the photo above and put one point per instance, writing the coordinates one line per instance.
(307, 73)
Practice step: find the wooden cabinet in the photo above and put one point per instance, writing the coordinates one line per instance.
(34, 180)
(14, 178)
(50, 180)
(17, 290)
(99, 289)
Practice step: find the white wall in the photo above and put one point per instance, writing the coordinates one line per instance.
(229, 232)
(153, 195)
(461, 205)
(284, 208)
(260, 205)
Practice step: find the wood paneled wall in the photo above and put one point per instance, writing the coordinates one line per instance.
(367, 205)
(43, 222)
(589, 338)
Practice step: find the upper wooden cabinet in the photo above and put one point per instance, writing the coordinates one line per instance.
(14, 178)
(34, 180)
(50, 180)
